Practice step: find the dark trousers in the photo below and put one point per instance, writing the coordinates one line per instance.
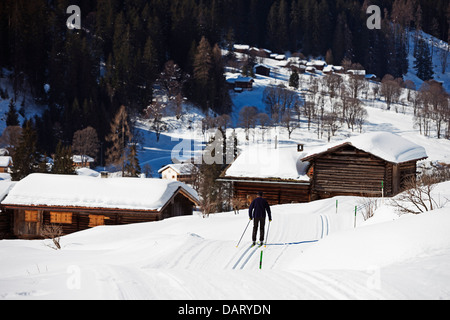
(262, 223)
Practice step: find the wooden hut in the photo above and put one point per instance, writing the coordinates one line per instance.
(279, 173)
(77, 203)
(372, 164)
(262, 70)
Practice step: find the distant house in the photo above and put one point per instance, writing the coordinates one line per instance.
(360, 166)
(279, 173)
(317, 64)
(240, 83)
(262, 70)
(83, 161)
(5, 164)
(241, 48)
(361, 73)
(182, 172)
(78, 202)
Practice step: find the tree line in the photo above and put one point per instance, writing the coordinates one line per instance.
(119, 57)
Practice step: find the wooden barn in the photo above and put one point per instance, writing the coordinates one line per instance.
(279, 173)
(366, 165)
(77, 203)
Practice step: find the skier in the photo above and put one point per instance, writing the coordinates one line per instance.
(257, 213)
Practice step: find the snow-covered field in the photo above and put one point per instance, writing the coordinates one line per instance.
(313, 253)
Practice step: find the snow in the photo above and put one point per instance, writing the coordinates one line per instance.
(314, 251)
(192, 258)
(5, 161)
(85, 191)
(267, 162)
(385, 145)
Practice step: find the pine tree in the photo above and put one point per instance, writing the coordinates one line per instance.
(12, 117)
(294, 80)
(63, 160)
(423, 63)
(202, 73)
(26, 158)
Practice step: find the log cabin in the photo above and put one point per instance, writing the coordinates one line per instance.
(278, 172)
(374, 165)
(77, 203)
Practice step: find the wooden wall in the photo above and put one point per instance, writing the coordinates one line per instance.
(349, 171)
(5, 225)
(274, 193)
(82, 219)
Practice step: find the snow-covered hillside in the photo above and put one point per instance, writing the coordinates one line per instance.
(313, 253)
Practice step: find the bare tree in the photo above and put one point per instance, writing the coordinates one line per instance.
(53, 232)
(247, 118)
(355, 84)
(418, 197)
(119, 138)
(154, 113)
(264, 122)
(390, 89)
(85, 143)
(10, 138)
(290, 124)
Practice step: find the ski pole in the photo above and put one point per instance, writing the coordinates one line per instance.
(243, 234)
(267, 236)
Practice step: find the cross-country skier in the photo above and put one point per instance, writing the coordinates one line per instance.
(257, 213)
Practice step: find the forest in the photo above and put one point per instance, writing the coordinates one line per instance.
(127, 50)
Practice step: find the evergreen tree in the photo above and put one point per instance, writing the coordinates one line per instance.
(423, 63)
(12, 117)
(202, 73)
(63, 160)
(294, 80)
(26, 159)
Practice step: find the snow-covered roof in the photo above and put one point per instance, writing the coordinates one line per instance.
(5, 161)
(82, 159)
(385, 145)
(88, 192)
(233, 79)
(180, 168)
(261, 162)
(241, 47)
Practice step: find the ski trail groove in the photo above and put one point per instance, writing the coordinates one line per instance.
(242, 257)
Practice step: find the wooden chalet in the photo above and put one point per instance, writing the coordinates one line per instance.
(279, 173)
(77, 203)
(262, 70)
(366, 165)
(240, 83)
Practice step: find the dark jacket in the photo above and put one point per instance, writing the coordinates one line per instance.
(258, 209)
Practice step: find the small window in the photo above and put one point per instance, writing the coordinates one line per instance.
(95, 221)
(31, 216)
(61, 217)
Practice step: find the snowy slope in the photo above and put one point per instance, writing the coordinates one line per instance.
(313, 253)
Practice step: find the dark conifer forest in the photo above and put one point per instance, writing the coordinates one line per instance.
(123, 46)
